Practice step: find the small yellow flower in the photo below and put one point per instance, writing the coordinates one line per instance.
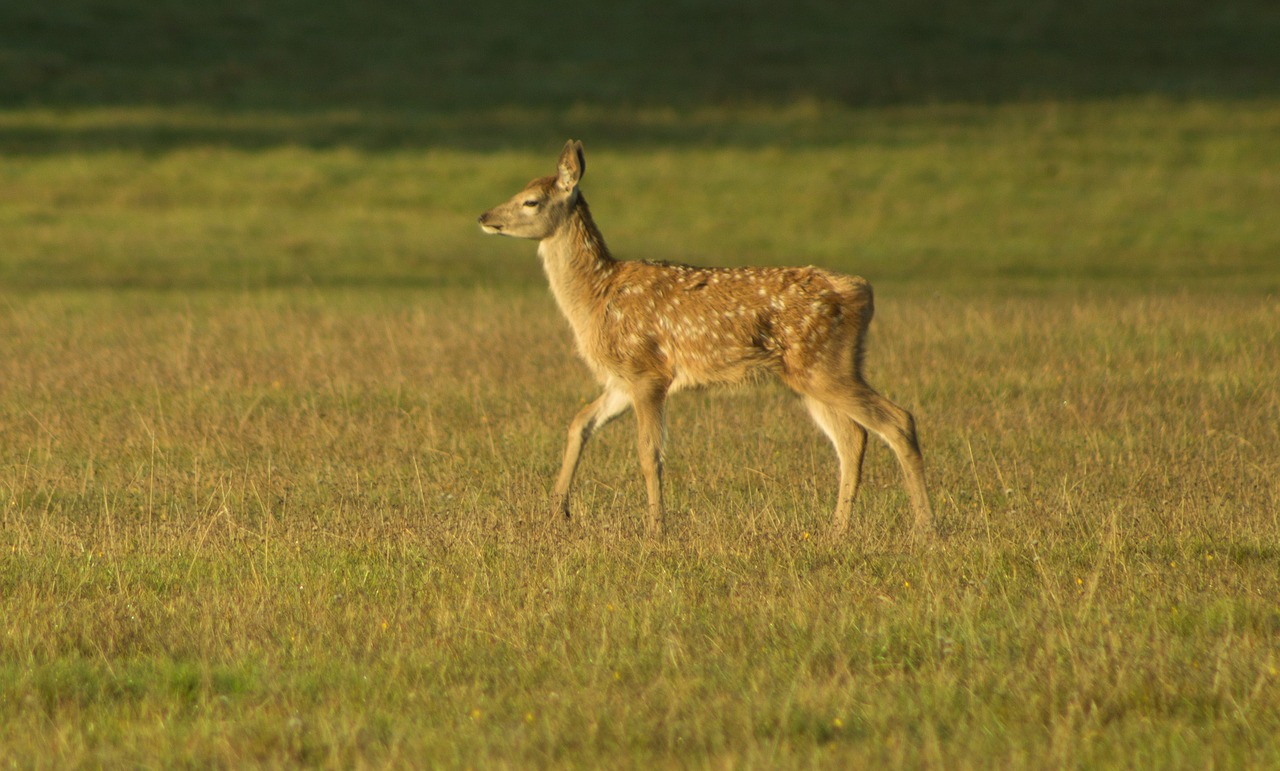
(528, 717)
(617, 675)
(476, 714)
(837, 723)
(1079, 581)
(805, 537)
(906, 584)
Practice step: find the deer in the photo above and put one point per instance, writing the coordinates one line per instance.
(647, 329)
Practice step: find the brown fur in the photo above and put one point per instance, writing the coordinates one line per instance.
(647, 329)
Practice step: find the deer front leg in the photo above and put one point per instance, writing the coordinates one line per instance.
(612, 403)
(649, 404)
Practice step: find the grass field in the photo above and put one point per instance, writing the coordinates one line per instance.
(277, 424)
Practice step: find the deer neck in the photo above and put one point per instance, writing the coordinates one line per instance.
(579, 269)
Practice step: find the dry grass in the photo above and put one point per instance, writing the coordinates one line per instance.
(308, 527)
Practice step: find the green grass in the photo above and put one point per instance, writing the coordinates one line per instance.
(277, 424)
(304, 55)
(1146, 193)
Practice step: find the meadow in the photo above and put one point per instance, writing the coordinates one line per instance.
(278, 424)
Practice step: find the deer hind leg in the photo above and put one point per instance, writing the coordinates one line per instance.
(897, 428)
(612, 403)
(850, 440)
(650, 401)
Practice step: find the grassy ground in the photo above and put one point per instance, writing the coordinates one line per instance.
(1133, 194)
(309, 527)
(277, 423)
(302, 55)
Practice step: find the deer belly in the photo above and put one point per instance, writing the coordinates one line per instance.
(721, 362)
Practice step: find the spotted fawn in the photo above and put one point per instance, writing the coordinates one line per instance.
(648, 329)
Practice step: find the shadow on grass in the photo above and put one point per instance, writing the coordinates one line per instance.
(488, 75)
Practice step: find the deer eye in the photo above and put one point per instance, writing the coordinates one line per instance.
(531, 202)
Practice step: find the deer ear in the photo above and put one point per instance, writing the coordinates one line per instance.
(573, 164)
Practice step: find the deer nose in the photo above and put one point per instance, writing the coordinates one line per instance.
(483, 219)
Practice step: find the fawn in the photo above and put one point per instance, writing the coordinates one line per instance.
(648, 329)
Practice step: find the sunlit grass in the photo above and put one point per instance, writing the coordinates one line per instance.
(310, 527)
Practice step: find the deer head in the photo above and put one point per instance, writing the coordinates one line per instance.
(544, 204)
